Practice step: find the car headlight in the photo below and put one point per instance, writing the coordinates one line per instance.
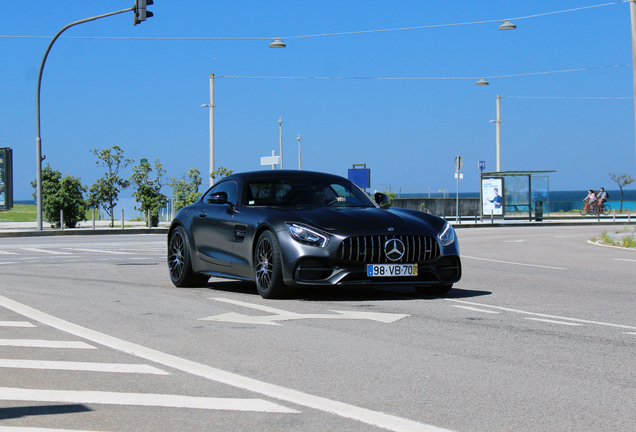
(306, 235)
(447, 236)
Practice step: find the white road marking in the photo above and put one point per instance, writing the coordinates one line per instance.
(16, 324)
(81, 366)
(282, 315)
(554, 322)
(514, 241)
(33, 429)
(367, 416)
(7, 262)
(101, 251)
(142, 399)
(475, 309)
(48, 251)
(582, 321)
(566, 236)
(623, 259)
(8, 253)
(514, 263)
(32, 343)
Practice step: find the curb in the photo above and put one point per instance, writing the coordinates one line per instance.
(82, 231)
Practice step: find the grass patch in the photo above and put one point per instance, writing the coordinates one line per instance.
(28, 213)
(628, 241)
(20, 213)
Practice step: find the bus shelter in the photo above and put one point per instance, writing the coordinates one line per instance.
(515, 194)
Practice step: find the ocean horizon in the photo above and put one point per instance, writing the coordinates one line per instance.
(554, 196)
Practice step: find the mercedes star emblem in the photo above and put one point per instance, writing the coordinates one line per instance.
(394, 249)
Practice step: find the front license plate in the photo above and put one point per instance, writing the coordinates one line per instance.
(390, 270)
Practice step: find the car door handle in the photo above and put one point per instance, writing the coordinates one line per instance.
(202, 213)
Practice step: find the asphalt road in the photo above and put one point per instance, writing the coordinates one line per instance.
(540, 335)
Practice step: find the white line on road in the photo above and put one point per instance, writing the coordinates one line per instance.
(16, 324)
(514, 263)
(554, 322)
(542, 315)
(8, 253)
(8, 262)
(142, 399)
(101, 251)
(33, 429)
(634, 333)
(475, 309)
(367, 416)
(81, 366)
(623, 259)
(48, 251)
(32, 343)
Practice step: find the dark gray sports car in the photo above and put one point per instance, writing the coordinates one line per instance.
(284, 229)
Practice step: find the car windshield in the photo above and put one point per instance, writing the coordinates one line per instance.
(306, 192)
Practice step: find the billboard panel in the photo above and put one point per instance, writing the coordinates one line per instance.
(6, 178)
(492, 195)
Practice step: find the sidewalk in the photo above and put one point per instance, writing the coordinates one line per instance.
(29, 229)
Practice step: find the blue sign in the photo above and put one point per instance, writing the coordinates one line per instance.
(482, 165)
(361, 177)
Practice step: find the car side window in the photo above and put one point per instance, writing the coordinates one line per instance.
(229, 187)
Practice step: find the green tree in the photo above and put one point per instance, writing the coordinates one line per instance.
(148, 191)
(220, 172)
(61, 193)
(622, 180)
(105, 191)
(185, 190)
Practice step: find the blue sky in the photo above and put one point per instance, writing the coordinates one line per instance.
(145, 95)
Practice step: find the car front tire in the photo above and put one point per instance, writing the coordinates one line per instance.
(180, 261)
(268, 274)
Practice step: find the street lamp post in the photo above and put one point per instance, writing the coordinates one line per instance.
(280, 125)
(38, 139)
(299, 152)
(211, 105)
(498, 122)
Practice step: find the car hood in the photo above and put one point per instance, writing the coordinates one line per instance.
(368, 221)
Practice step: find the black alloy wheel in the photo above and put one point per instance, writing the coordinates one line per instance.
(267, 268)
(180, 263)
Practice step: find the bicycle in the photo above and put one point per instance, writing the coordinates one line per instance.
(595, 210)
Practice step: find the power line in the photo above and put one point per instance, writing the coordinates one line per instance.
(319, 35)
(425, 78)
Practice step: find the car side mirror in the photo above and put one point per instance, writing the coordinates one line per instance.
(382, 200)
(218, 198)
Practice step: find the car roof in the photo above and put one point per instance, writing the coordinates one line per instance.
(275, 174)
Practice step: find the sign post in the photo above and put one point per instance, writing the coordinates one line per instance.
(459, 164)
(6, 179)
(272, 160)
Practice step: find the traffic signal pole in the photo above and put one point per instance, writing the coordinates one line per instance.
(38, 140)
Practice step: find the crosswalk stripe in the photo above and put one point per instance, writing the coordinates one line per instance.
(33, 343)
(33, 429)
(142, 399)
(81, 366)
(16, 324)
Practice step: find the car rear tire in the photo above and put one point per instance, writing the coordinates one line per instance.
(268, 274)
(433, 289)
(180, 262)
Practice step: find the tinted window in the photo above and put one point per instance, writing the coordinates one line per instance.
(306, 192)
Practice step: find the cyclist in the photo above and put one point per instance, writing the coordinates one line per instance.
(602, 197)
(590, 200)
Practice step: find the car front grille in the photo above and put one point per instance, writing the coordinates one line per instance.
(370, 249)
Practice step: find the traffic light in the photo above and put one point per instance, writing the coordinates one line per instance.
(140, 10)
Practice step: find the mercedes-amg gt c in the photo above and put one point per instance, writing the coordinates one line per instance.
(284, 229)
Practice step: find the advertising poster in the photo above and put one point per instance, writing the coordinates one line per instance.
(492, 194)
